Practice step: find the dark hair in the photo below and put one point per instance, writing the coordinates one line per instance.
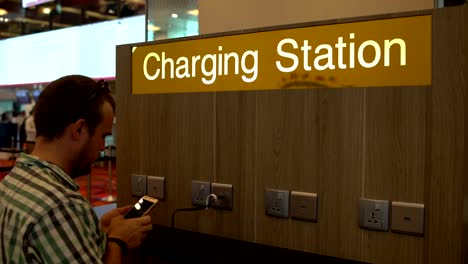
(68, 99)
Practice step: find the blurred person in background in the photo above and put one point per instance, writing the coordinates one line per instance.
(28, 133)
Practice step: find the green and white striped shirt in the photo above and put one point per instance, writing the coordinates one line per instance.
(44, 219)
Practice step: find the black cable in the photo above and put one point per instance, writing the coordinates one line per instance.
(198, 208)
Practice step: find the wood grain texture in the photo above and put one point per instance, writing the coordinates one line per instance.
(165, 135)
(235, 162)
(395, 130)
(127, 123)
(341, 139)
(465, 170)
(178, 139)
(464, 65)
(444, 191)
(302, 137)
(406, 144)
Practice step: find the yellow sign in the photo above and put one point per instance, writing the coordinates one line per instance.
(389, 52)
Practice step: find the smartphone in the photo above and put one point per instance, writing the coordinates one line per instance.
(142, 207)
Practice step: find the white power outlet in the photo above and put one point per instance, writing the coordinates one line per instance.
(277, 203)
(304, 206)
(156, 187)
(408, 218)
(138, 185)
(373, 214)
(224, 194)
(200, 190)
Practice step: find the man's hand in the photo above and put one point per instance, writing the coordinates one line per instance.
(132, 231)
(107, 217)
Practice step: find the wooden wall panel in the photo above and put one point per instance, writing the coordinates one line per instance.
(153, 157)
(235, 162)
(395, 133)
(301, 137)
(280, 142)
(444, 191)
(464, 65)
(178, 140)
(341, 138)
(404, 144)
(164, 135)
(127, 116)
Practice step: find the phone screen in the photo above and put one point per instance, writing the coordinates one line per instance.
(139, 209)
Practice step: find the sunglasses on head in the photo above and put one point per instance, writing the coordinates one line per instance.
(102, 85)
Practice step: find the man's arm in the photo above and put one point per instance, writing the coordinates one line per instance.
(123, 234)
(113, 254)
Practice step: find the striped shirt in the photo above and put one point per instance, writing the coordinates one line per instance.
(44, 219)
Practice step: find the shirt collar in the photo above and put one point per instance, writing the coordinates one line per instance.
(58, 172)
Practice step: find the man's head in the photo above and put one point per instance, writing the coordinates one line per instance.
(79, 111)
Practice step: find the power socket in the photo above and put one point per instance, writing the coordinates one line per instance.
(224, 193)
(156, 187)
(408, 218)
(304, 206)
(373, 214)
(277, 203)
(200, 190)
(138, 185)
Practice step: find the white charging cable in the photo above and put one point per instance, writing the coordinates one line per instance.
(207, 201)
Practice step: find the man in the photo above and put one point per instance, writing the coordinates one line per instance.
(28, 133)
(43, 217)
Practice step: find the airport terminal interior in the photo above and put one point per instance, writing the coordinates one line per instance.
(42, 18)
(42, 40)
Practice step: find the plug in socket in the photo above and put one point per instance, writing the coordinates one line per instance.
(138, 185)
(224, 193)
(304, 206)
(373, 214)
(200, 190)
(156, 187)
(277, 203)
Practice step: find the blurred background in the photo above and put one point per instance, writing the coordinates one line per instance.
(42, 40)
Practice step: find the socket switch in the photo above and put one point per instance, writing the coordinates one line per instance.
(304, 206)
(138, 185)
(224, 193)
(277, 203)
(408, 218)
(155, 187)
(373, 214)
(200, 190)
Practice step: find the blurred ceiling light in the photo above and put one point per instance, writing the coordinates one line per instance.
(137, 2)
(1, 19)
(153, 28)
(6, 19)
(46, 10)
(40, 22)
(193, 12)
(174, 15)
(3, 12)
